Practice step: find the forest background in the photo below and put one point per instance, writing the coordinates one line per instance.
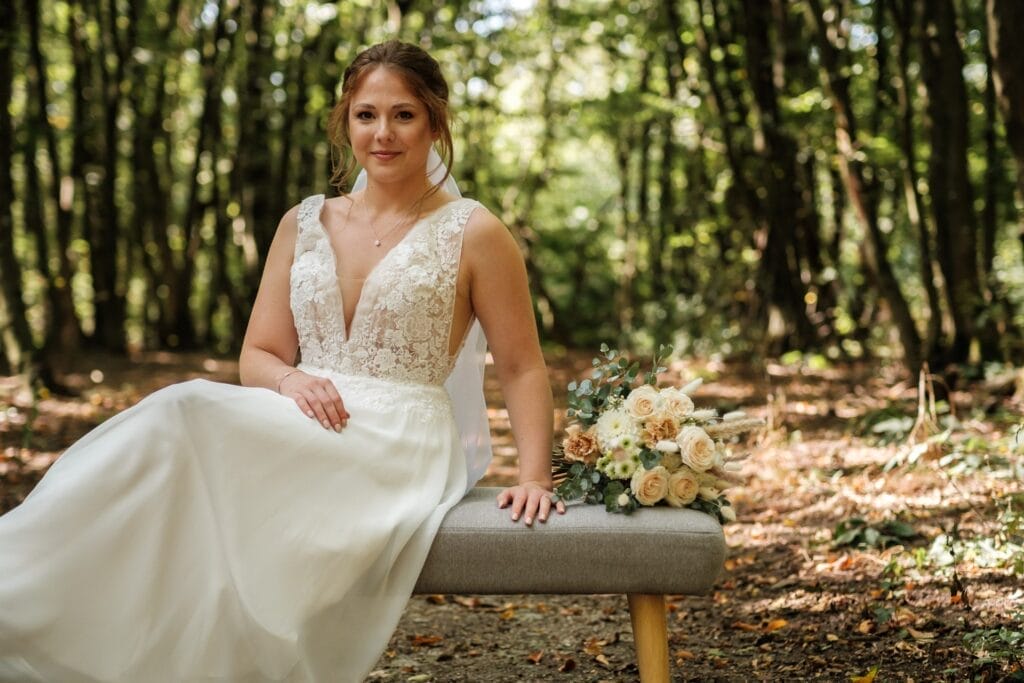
(733, 177)
(809, 200)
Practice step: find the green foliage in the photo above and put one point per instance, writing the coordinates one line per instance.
(999, 646)
(857, 533)
(613, 377)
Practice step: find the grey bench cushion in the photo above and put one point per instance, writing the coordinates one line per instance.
(478, 549)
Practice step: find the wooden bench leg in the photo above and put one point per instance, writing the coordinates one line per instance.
(650, 636)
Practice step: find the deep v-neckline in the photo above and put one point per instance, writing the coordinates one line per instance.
(348, 326)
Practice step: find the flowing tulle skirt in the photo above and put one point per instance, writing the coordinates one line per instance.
(214, 533)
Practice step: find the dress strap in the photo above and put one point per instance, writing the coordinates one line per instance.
(308, 230)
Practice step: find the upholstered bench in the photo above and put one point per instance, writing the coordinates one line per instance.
(646, 555)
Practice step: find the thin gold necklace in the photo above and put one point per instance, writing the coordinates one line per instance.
(378, 239)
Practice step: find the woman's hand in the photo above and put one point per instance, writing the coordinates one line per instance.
(316, 397)
(529, 499)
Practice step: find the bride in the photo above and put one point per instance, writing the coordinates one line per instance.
(274, 531)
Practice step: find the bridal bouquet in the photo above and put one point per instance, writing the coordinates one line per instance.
(631, 444)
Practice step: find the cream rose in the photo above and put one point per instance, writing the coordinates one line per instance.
(642, 402)
(649, 486)
(677, 404)
(579, 445)
(682, 488)
(696, 448)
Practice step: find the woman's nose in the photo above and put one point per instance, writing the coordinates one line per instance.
(384, 131)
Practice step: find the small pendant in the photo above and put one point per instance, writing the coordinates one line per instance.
(376, 243)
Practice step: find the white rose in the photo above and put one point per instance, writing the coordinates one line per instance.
(667, 447)
(642, 402)
(696, 448)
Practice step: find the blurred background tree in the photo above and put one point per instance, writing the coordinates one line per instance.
(754, 177)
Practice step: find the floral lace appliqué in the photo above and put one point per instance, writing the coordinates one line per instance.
(402, 323)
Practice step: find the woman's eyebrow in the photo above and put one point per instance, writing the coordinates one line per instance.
(400, 105)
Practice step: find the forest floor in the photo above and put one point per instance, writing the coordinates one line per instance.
(855, 557)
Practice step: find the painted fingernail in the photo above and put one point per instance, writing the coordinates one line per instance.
(529, 520)
(309, 413)
(515, 518)
(337, 427)
(543, 518)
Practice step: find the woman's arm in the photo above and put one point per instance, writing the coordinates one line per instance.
(500, 297)
(271, 342)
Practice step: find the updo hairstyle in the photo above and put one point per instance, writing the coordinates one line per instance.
(422, 75)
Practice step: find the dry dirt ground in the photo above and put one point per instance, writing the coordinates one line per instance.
(923, 588)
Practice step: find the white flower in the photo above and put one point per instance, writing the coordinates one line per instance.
(612, 426)
(734, 415)
(667, 447)
(728, 513)
(623, 500)
(692, 386)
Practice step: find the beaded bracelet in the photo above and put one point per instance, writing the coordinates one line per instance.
(284, 377)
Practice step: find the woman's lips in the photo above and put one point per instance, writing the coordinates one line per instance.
(384, 156)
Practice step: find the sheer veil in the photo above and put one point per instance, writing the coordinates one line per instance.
(465, 384)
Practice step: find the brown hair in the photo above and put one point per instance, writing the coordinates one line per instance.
(422, 75)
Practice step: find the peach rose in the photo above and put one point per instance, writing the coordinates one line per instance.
(659, 429)
(649, 486)
(696, 448)
(580, 445)
(642, 402)
(682, 488)
(677, 404)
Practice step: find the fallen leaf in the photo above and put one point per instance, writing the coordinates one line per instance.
(684, 655)
(436, 599)
(774, 625)
(471, 602)
(508, 613)
(744, 626)
(594, 647)
(568, 665)
(920, 635)
(603, 661)
(831, 637)
(425, 641)
(535, 657)
(865, 626)
(869, 677)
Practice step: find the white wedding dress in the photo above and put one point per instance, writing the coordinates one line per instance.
(214, 533)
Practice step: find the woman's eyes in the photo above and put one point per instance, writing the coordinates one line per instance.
(368, 115)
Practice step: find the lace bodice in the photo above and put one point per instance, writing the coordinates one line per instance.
(402, 322)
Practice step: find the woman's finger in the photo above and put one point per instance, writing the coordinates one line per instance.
(335, 397)
(518, 501)
(545, 508)
(334, 419)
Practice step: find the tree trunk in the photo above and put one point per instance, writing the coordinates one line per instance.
(781, 286)
(105, 243)
(1005, 19)
(63, 334)
(905, 19)
(859, 189)
(950, 189)
(10, 269)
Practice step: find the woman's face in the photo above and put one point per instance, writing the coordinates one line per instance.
(389, 128)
